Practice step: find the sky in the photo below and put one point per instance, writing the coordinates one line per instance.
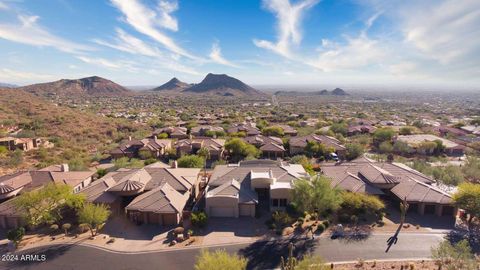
(262, 42)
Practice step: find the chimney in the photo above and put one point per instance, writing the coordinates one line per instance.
(174, 164)
(64, 167)
(129, 138)
(155, 137)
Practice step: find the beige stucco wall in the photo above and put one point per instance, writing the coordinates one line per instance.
(219, 201)
(261, 183)
(280, 193)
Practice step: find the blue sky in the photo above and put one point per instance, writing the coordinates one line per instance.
(263, 42)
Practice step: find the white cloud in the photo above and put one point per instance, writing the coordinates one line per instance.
(216, 56)
(166, 19)
(124, 65)
(28, 31)
(289, 17)
(130, 44)
(3, 6)
(148, 22)
(446, 31)
(15, 76)
(356, 53)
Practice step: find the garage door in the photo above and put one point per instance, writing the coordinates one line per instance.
(245, 210)
(216, 211)
(169, 219)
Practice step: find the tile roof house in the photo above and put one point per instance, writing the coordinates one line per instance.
(360, 129)
(159, 193)
(414, 141)
(288, 130)
(24, 181)
(204, 129)
(24, 144)
(173, 132)
(271, 147)
(235, 189)
(248, 129)
(191, 146)
(393, 180)
(132, 148)
(297, 144)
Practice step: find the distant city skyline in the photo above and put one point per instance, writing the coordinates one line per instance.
(267, 42)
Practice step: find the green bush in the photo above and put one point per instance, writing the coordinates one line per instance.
(191, 161)
(320, 228)
(199, 219)
(326, 223)
(16, 235)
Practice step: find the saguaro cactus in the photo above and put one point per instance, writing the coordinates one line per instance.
(291, 261)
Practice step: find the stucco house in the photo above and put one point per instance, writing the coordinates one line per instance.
(248, 129)
(415, 141)
(191, 146)
(132, 148)
(271, 147)
(297, 144)
(203, 130)
(172, 132)
(393, 182)
(155, 194)
(236, 189)
(15, 184)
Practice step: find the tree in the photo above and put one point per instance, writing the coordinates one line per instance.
(304, 161)
(467, 198)
(199, 219)
(360, 204)
(454, 257)
(353, 150)
(191, 161)
(316, 195)
(339, 128)
(406, 131)
(261, 124)
(93, 216)
(101, 172)
(16, 235)
(240, 149)
(382, 135)
(45, 205)
(385, 147)
(219, 260)
(145, 154)
(402, 148)
(471, 169)
(316, 149)
(16, 158)
(273, 131)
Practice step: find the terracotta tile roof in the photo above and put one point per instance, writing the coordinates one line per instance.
(407, 182)
(163, 199)
(301, 141)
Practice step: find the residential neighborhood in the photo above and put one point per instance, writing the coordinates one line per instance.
(240, 135)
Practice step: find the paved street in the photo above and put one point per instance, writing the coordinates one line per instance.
(261, 255)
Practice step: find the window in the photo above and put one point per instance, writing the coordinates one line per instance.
(283, 202)
(275, 202)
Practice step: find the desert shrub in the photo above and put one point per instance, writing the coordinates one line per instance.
(326, 223)
(16, 235)
(54, 227)
(191, 161)
(199, 219)
(320, 228)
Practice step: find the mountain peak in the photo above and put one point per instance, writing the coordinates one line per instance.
(94, 85)
(222, 84)
(172, 84)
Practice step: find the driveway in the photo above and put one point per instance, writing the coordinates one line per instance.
(261, 255)
(233, 230)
